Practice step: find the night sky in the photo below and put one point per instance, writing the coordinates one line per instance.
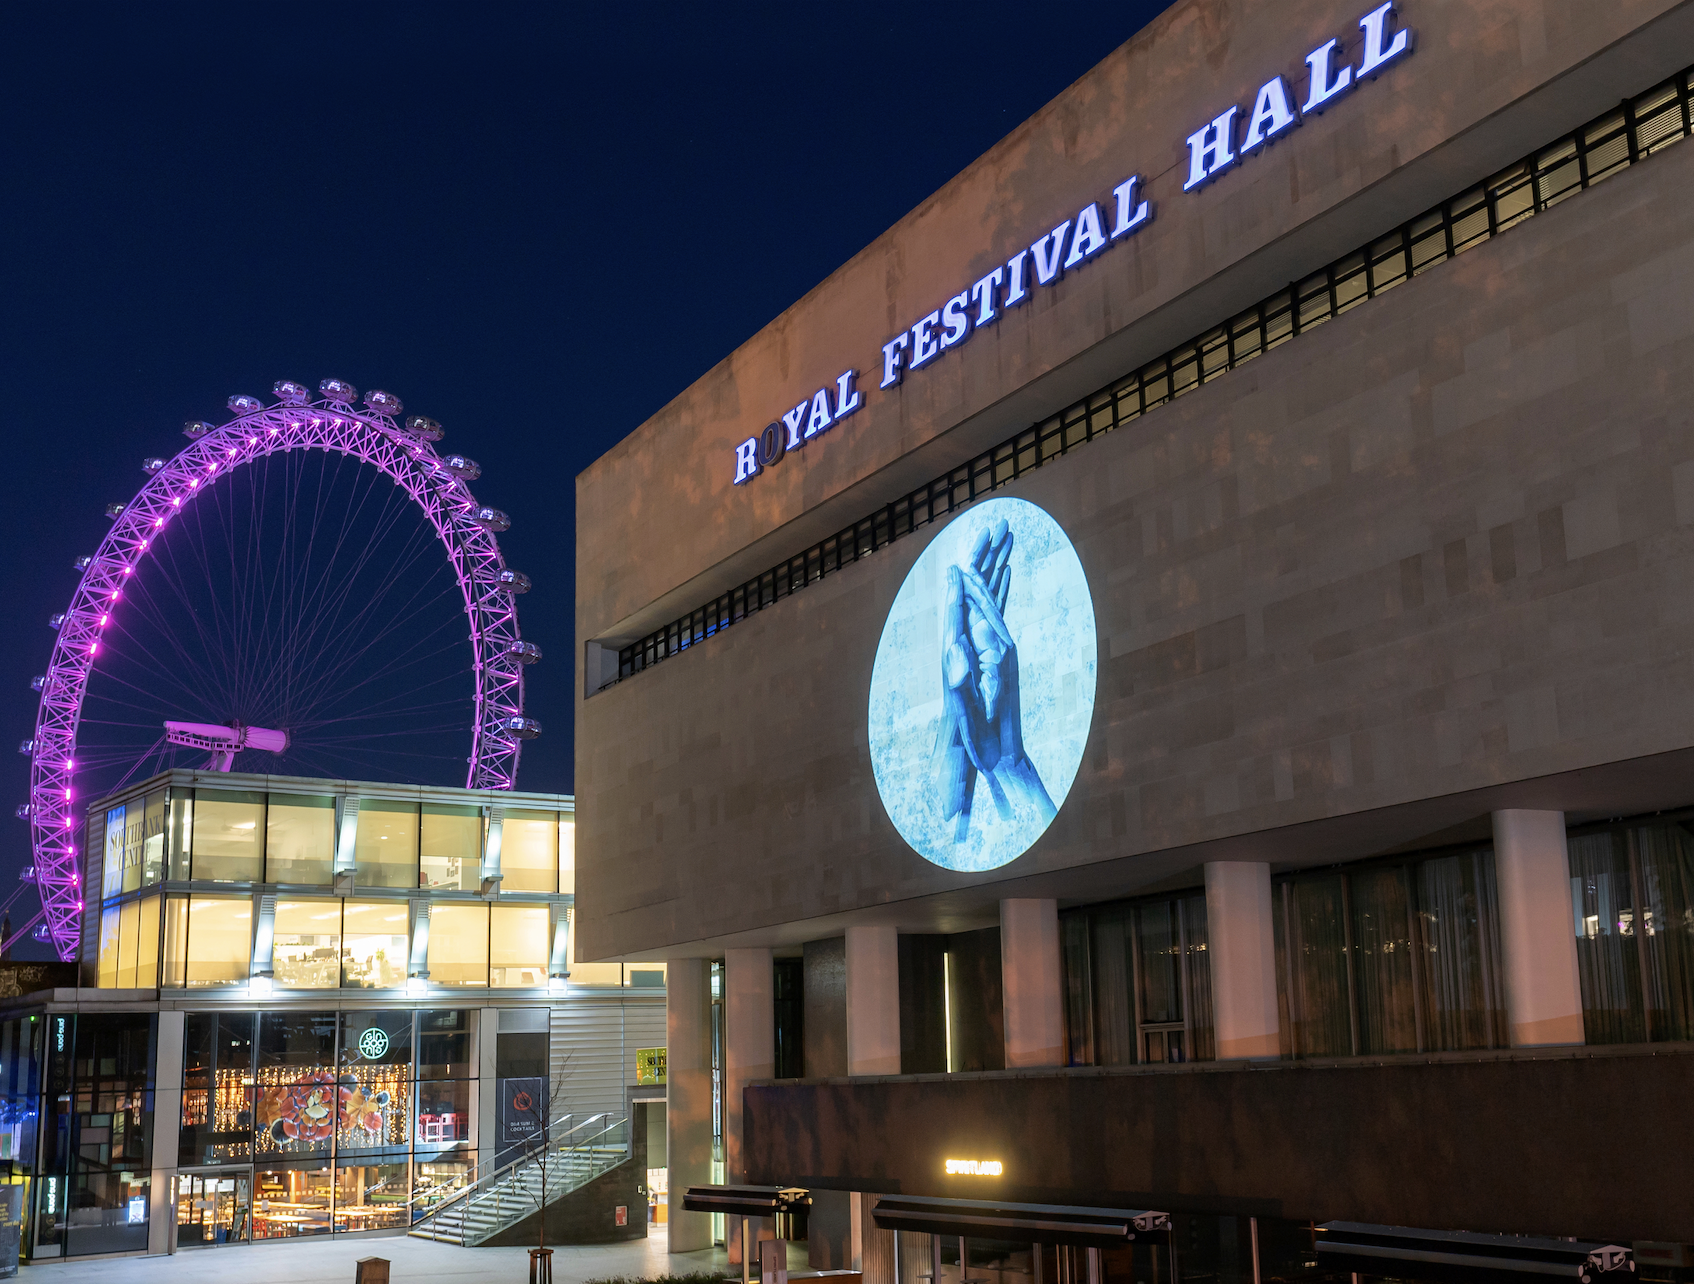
(535, 223)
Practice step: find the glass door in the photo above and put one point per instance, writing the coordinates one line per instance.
(214, 1207)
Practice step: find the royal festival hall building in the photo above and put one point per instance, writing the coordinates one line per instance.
(309, 1007)
(1165, 684)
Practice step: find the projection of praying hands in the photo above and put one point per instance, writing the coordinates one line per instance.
(981, 732)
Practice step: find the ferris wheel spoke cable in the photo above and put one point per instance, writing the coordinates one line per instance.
(296, 586)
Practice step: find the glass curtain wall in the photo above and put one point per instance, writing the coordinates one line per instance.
(1390, 957)
(339, 1118)
(97, 1155)
(1632, 902)
(1138, 982)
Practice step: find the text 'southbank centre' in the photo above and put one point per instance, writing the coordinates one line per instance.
(1166, 683)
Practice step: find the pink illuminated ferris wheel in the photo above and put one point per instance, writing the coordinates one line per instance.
(281, 577)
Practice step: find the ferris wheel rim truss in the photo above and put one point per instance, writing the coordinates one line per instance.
(460, 522)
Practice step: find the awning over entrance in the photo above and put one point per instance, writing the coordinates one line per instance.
(1025, 1223)
(1401, 1250)
(745, 1201)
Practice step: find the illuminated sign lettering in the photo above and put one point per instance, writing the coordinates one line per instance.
(1213, 149)
(974, 1168)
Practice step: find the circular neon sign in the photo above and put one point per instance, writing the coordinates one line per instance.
(373, 1044)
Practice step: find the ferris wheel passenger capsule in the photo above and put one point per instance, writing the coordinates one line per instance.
(522, 728)
(114, 510)
(22, 812)
(38, 682)
(241, 404)
(290, 393)
(514, 582)
(339, 391)
(491, 519)
(26, 747)
(83, 563)
(54, 621)
(152, 465)
(197, 428)
(41, 934)
(383, 403)
(425, 427)
(463, 468)
(524, 652)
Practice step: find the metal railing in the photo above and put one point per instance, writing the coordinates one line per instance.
(1622, 137)
(507, 1192)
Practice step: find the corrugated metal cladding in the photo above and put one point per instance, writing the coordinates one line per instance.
(592, 1047)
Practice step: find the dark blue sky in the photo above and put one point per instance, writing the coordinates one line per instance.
(537, 223)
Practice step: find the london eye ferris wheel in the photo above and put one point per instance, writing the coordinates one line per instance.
(277, 593)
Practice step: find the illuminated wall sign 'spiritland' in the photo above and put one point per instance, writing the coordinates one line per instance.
(982, 692)
(1075, 241)
(974, 1168)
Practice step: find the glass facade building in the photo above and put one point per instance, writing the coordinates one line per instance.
(298, 1004)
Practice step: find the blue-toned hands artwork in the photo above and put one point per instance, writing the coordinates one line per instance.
(983, 687)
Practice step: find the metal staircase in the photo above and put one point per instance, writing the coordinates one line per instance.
(471, 1211)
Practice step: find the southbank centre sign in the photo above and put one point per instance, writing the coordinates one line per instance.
(1080, 238)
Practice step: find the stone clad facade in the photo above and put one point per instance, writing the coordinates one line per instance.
(1390, 591)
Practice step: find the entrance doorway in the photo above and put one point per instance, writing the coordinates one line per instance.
(214, 1207)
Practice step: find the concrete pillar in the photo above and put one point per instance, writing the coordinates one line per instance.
(488, 1091)
(1032, 983)
(749, 1020)
(688, 1097)
(167, 1129)
(1532, 871)
(1241, 943)
(873, 1001)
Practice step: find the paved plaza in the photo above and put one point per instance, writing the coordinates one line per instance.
(331, 1261)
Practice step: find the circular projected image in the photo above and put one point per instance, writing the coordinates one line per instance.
(983, 688)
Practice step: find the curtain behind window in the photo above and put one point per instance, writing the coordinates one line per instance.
(1318, 1007)
(1114, 1004)
(1383, 960)
(1460, 1000)
(1665, 856)
(1606, 958)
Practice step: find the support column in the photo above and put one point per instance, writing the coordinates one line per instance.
(1032, 983)
(749, 1042)
(688, 1097)
(1532, 871)
(873, 1001)
(487, 1085)
(1241, 943)
(167, 1129)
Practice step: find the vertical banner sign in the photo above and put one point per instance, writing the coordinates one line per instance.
(523, 1109)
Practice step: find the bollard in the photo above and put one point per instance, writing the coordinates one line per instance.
(371, 1270)
(773, 1261)
(540, 1266)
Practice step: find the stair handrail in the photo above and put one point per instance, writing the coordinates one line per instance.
(494, 1180)
(485, 1169)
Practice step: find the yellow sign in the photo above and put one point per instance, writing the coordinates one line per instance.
(649, 1065)
(974, 1167)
